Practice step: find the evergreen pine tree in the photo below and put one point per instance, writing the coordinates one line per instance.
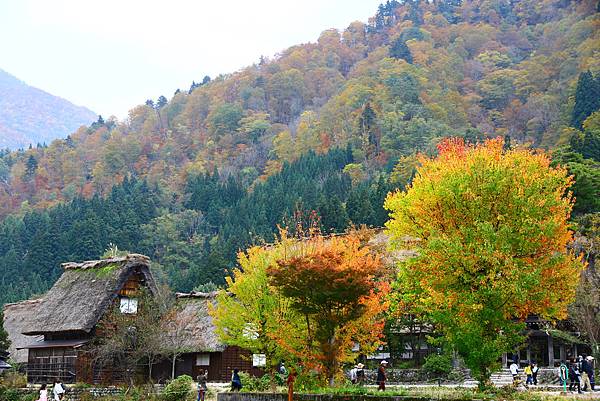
(333, 214)
(587, 98)
(400, 50)
(161, 102)
(4, 341)
(31, 166)
(359, 208)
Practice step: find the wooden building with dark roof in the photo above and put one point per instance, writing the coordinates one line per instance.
(50, 334)
(202, 348)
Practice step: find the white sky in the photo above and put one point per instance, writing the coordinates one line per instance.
(111, 55)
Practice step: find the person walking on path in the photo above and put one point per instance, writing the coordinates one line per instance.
(360, 374)
(381, 376)
(236, 382)
(352, 374)
(58, 391)
(290, 382)
(514, 371)
(535, 369)
(202, 386)
(591, 373)
(43, 393)
(586, 373)
(529, 373)
(575, 377)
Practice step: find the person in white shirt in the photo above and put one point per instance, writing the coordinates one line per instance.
(58, 391)
(514, 371)
(353, 375)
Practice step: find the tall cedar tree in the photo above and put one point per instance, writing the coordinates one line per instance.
(493, 232)
(335, 285)
(4, 340)
(587, 98)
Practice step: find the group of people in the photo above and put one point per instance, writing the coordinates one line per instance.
(581, 374)
(357, 375)
(58, 391)
(531, 373)
(202, 379)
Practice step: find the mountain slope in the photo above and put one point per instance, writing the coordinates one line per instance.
(30, 116)
(415, 72)
(318, 135)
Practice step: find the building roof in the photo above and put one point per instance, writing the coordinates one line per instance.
(193, 325)
(79, 298)
(18, 317)
(57, 343)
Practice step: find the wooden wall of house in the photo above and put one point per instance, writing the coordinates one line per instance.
(220, 367)
(132, 286)
(46, 364)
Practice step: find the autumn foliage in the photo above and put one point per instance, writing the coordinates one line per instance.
(306, 301)
(492, 229)
(336, 284)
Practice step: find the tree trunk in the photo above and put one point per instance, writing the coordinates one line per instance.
(483, 378)
(173, 366)
(332, 363)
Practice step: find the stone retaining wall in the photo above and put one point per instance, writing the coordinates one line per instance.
(75, 394)
(312, 397)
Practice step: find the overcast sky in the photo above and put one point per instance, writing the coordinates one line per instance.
(111, 55)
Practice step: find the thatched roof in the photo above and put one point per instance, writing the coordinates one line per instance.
(193, 325)
(405, 247)
(79, 298)
(18, 317)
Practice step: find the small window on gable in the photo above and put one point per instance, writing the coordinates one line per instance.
(129, 305)
(203, 360)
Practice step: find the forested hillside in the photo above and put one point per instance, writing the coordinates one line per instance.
(318, 134)
(30, 116)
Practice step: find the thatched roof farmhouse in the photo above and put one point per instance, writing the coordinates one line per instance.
(79, 298)
(47, 333)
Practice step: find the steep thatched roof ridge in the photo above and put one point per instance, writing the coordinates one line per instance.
(193, 328)
(197, 294)
(95, 264)
(18, 317)
(79, 298)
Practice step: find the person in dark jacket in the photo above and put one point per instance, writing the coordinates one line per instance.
(381, 376)
(360, 374)
(586, 373)
(575, 376)
(535, 369)
(236, 382)
(202, 387)
(591, 373)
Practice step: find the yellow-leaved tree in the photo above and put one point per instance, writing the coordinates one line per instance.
(492, 228)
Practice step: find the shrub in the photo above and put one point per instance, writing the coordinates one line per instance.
(308, 382)
(9, 394)
(13, 379)
(252, 383)
(439, 365)
(178, 389)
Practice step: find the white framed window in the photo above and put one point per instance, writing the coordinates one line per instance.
(129, 305)
(259, 360)
(203, 360)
